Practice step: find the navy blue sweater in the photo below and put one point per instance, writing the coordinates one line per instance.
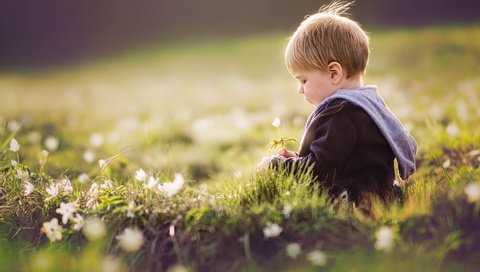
(353, 144)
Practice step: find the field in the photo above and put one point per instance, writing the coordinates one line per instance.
(157, 152)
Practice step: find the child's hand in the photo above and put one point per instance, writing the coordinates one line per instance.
(287, 153)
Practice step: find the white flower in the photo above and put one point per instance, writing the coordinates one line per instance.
(171, 230)
(265, 162)
(446, 163)
(14, 145)
(96, 139)
(131, 209)
(28, 188)
(174, 187)
(66, 185)
(51, 143)
(13, 163)
(452, 129)
(152, 182)
(272, 230)
(53, 191)
(92, 195)
(106, 184)
(317, 257)
(472, 191)
(42, 157)
(34, 137)
(140, 175)
(52, 230)
(93, 190)
(78, 222)
(293, 250)
(102, 163)
(66, 210)
(111, 264)
(89, 156)
(178, 268)
(94, 229)
(131, 239)
(22, 174)
(287, 210)
(276, 122)
(385, 237)
(83, 178)
(13, 125)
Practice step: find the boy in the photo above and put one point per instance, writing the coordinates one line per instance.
(351, 137)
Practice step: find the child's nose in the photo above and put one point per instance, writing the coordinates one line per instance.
(300, 89)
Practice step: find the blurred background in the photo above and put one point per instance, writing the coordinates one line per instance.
(194, 85)
(39, 34)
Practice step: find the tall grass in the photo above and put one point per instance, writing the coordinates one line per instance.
(212, 126)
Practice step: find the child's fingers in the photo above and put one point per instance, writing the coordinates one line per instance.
(286, 153)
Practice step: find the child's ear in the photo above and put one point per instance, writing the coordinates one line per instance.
(335, 71)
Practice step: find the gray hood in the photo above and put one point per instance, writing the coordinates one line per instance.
(403, 145)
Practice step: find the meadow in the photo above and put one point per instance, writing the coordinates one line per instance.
(147, 161)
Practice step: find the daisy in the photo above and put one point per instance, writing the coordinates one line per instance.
(53, 191)
(52, 230)
(66, 210)
(131, 239)
(89, 156)
(22, 174)
(42, 157)
(78, 222)
(272, 230)
(174, 187)
(276, 122)
(140, 175)
(472, 191)
(152, 182)
(51, 143)
(106, 184)
(66, 185)
(102, 163)
(131, 209)
(385, 237)
(317, 257)
(14, 145)
(111, 264)
(94, 228)
(13, 125)
(293, 250)
(96, 140)
(92, 195)
(287, 210)
(28, 188)
(83, 178)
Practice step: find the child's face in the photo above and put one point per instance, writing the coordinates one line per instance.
(315, 84)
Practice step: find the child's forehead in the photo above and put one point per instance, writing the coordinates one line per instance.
(303, 72)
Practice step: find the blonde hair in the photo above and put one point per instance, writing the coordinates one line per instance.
(328, 36)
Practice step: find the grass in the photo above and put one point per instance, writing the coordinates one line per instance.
(204, 110)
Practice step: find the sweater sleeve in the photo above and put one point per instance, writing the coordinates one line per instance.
(334, 142)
